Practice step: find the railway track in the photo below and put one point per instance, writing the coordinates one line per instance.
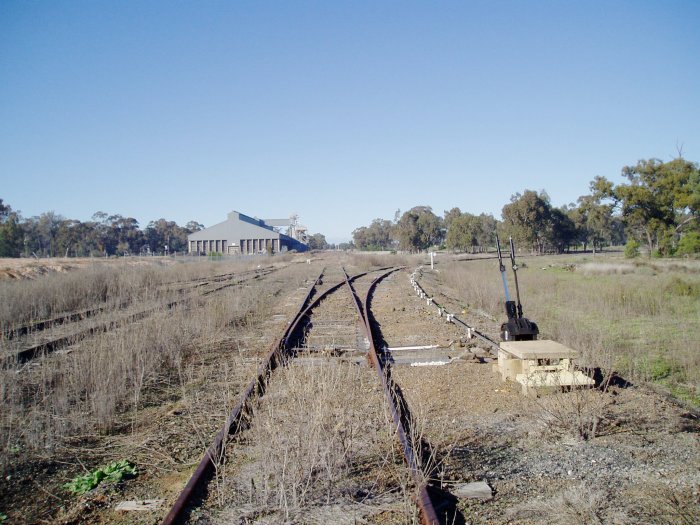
(324, 330)
(442, 311)
(461, 413)
(18, 346)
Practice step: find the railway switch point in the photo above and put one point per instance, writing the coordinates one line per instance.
(517, 327)
(539, 365)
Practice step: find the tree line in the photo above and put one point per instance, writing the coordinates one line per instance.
(657, 207)
(52, 235)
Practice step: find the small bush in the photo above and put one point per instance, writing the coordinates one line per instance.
(680, 287)
(114, 472)
(689, 244)
(632, 249)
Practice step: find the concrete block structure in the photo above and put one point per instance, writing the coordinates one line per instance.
(540, 364)
(243, 235)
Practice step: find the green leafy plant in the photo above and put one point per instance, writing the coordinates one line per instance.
(659, 368)
(632, 249)
(114, 472)
(689, 244)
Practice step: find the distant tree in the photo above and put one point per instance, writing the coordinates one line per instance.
(52, 235)
(194, 226)
(102, 233)
(462, 233)
(163, 233)
(45, 231)
(376, 236)
(379, 234)
(11, 233)
(486, 235)
(72, 238)
(560, 233)
(594, 219)
(125, 234)
(527, 219)
(317, 241)
(418, 229)
(661, 200)
(359, 237)
(449, 216)
(471, 232)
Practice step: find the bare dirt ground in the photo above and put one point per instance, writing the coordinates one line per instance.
(641, 466)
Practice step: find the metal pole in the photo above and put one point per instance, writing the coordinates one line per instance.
(502, 268)
(515, 274)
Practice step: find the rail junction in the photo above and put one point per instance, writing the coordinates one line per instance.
(434, 433)
(321, 329)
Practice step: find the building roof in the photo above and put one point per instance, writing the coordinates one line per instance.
(237, 226)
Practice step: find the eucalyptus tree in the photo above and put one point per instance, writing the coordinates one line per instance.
(660, 202)
(418, 229)
(11, 233)
(527, 219)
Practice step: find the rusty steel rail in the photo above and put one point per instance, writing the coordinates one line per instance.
(236, 420)
(48, 347)
(423, 501)
(205, 468)
(9, 332)
(37, 326)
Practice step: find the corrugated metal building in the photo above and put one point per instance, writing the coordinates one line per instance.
(241, 235)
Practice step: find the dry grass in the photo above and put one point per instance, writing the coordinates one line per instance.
(366, 261)
(321, 435)
(581, 504)
(101, 385)
(577, 505)
(102, 285)
(646, 316)
(661, 504)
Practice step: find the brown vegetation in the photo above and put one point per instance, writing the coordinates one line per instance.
(639, 319)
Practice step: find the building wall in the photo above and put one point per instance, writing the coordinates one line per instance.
(241, 234)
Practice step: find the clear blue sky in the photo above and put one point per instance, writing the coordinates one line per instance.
(339, 111)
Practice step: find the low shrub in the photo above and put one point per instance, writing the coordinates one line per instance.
(680, 287)
(689, 244)
(113, 473)
(632, 249)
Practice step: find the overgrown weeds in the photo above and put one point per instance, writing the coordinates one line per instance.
(100, 285)
(577, 505)
(370, 261)
(103, 381)
(319, 435)
(645, 317)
